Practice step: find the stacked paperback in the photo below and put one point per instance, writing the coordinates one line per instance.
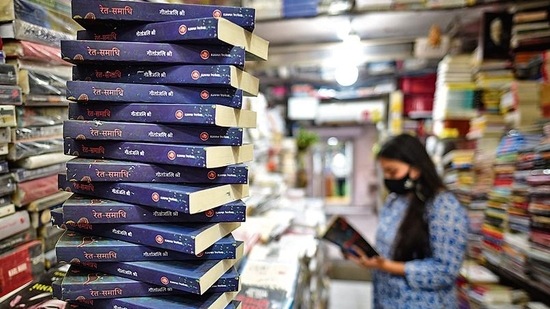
(157, 128)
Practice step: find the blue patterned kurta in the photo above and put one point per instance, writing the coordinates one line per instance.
(428, 283)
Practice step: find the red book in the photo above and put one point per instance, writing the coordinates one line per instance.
(20, 266)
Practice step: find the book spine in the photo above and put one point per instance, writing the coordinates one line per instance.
(21, 265)
(97, 170)
(87, 51)
(7, 210)
(127, 213)
(13, 224)
(107, 290)
(4, 167)
(22, 175)
(7, 116)
(159, 277)
(8, 75)
(15, 240)
(136, 233)
(33, 190)
(114, 92)
(25, 31)
(212, 75)
(99, 12)
(140, 152)
(203, 30)
(10, 95)
(163, 113)
(156, 133)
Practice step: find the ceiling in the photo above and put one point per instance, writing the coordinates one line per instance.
(386, 35)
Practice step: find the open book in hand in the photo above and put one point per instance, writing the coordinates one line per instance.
(341, 233)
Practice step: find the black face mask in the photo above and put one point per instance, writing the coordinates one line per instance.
(399, 186)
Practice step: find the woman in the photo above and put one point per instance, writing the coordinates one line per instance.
(421, 234)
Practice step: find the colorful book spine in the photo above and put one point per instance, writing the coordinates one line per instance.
(118, 92)
(212, 75)
(192, 114)
(99, 211)
(14, 224)
(80, 169)
(79, 52)
(194, 277)
(150, 132)
(99, 12)
(80, 248)
(172, 154)
(81, 283)
(189, 238)
(20, 266)
(182, 198)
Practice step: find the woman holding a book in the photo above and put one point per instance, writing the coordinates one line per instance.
(421, 235)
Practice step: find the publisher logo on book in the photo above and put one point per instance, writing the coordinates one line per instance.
(164, 280)
(171, 155)
(217, 13)
(195, 74)
(205, 54)
(155, 197)
(204, 136)
(182, 29)
(210, 213)
(179, 114)
(159, 239)
(211, 175)
(205, 95)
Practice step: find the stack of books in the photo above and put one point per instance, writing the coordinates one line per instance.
(539, 210)
(454, 103)
(157, 127)
(521, 105)
(530, 29)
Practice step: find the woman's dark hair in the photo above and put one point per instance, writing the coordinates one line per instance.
(413, 237)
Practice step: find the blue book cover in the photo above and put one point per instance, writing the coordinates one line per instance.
(151, 132)
(82, 283)
(100, 12)
(193, 114)
(81, 169)
(101, 211)
(74, 247)
(194, 277)
(201, 31)
(208, 75)
(172, 154)
(79, 52)
(184, 198)
(119, 92)
(191, 238)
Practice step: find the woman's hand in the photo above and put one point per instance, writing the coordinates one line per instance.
(358, 256)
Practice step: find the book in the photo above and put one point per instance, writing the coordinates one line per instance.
(47, 202)
(118, 92)
(191, 238)
(14, 224)
(7, 116)
(26, 50)
(6, 210)
(101, 211)
(32, 190)
(339, 232)
(5, 137)
(198, 114)
(173, 154)
(207, 301)
(15, 240)
(20, 266)
(47, 82)
(150, 132)
(78, 247)
(7, 185)
(81, 283)
(211, 75)
(10, 95)
(112, 12)
(201, 31)
(194, 277)
(184, 198)
(38, 293)
(81, 169)
(8, 74)
(86, 51)
(43, 160)
(36, 133)
(25, 31)
(23, 174)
